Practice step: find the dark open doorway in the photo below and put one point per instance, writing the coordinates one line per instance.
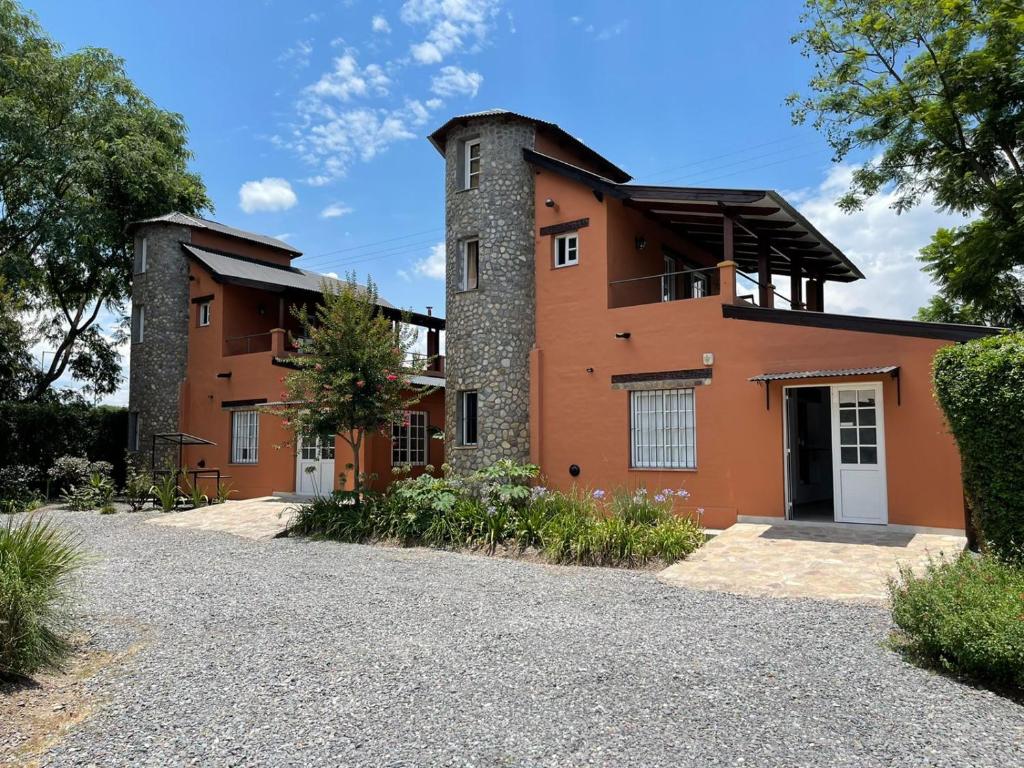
(809, 432)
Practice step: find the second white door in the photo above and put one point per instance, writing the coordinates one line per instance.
(858, 454)
(314, 466)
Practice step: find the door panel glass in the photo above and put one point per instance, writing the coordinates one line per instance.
(868, 436)
(858, 435)
(868, 455)
(865, 397)
(848, 417)
(867, 417)
(848, 455)
(847, 398)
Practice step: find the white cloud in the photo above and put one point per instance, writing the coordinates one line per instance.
(452, 26)
(298, 55)
(268, 194)
(575, 19)
(335, 210)
(347, 80)
(454, 81)
(884, 244)
(433, 265)
(380, 24)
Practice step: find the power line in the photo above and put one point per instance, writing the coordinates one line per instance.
(671, 169)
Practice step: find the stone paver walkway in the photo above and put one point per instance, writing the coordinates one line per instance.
(260, 518)
(808, 560)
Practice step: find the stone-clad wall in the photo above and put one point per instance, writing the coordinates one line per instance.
(490, 331)
(158, 364)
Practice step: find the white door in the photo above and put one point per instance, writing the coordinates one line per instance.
(858, 454)
(314, 466)
(668, 280)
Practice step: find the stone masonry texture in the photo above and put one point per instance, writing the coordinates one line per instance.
(490, 330)
(158, 364)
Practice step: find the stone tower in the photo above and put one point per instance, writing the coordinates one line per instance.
(489, 327)
(160, 312)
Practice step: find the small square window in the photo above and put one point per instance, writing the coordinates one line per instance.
(471, 162)
(470, 279)
(567, 252)
(204, 313)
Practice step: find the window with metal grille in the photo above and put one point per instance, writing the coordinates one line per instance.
(662, 433)
(245, 437)
(409, 439)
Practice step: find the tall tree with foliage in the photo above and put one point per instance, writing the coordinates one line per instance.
(937, 88)
(353, 376)
(83, 152)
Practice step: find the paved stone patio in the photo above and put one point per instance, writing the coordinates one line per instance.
(261, 518)
(819, 560)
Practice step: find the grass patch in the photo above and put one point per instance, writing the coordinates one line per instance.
(965, 616)
(37, 561)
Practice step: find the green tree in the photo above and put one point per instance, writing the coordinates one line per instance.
(353, 376)
(936, 87)
(82, 153)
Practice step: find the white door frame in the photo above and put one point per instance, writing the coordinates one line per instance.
(324, 481)
(836, 490)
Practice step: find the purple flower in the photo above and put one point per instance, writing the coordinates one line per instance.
(598, 494)
(682, 493)
(659, 498)
(538, 491)
(641, 491)
(667, 492)
(700, 510)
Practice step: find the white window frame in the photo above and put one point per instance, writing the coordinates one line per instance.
(468, 174)
(409, 443)
(663, 429)
(139, 323)
(464, 277)
(245, 437)
(462, 417)
(574, 249)
(143, 264)
(698, 286)
(134, 432)
(669, 284)
(205, 312)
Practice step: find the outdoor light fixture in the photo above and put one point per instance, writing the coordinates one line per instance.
(549, 203)
(641, 242)
(574, 470)
(590, 370)
(622, 335)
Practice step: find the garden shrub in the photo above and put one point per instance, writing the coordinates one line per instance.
(980, 386)
(38, 433)
(18, 488)
(964, 615)
(496, 507)
(37, 560)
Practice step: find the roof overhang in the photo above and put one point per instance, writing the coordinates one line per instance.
(832, 373)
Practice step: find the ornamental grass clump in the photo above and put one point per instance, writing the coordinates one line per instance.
(37, 562)
(965, 616)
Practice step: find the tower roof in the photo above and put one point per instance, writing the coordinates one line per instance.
(222, 229)
(606, 167)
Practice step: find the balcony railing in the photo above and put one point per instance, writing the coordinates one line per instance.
(245, 345)
(680, 285)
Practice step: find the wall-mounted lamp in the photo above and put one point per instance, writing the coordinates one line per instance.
(262, 310)
(641, 242)
(622, 335)
(224, 375)
(590, 370)
(549, 203)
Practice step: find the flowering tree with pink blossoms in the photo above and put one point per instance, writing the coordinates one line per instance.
(352, 376)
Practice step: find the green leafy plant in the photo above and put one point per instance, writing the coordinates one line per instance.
(224, 491)
(68, 471)
(165, 490)
(336, 517)
(196, 497)
(37, 561)
(980, 386)
(80, 498)
(18, 487)
(965, 616)
(137, 490)
(675, 538)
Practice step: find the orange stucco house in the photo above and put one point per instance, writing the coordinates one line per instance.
(212, 337)
(612, 333)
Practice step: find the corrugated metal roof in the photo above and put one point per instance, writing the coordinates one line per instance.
(214, 226)
(263, 275)
(824, 374)
(608, 168)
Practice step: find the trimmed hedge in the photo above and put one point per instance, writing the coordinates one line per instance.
(980, 386)
(965, 616)
(37, 434)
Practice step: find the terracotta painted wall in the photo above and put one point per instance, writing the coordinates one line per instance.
(234, 312)
(581, 420)
(204, 238)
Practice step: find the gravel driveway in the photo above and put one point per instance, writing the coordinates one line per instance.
(290, 653)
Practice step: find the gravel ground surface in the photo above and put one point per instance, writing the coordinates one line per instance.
(291, 653)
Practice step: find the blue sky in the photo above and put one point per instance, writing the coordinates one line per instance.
(308, 119)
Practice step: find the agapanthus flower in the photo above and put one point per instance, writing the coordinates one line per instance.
(598, 494)
(682, 493)
(659, 498)
(538, 491)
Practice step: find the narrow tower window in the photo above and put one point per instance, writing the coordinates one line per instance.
(470, 265)
(204, 313)
(467, 417)
(472, 164)
(138, 323)
(140, 257)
